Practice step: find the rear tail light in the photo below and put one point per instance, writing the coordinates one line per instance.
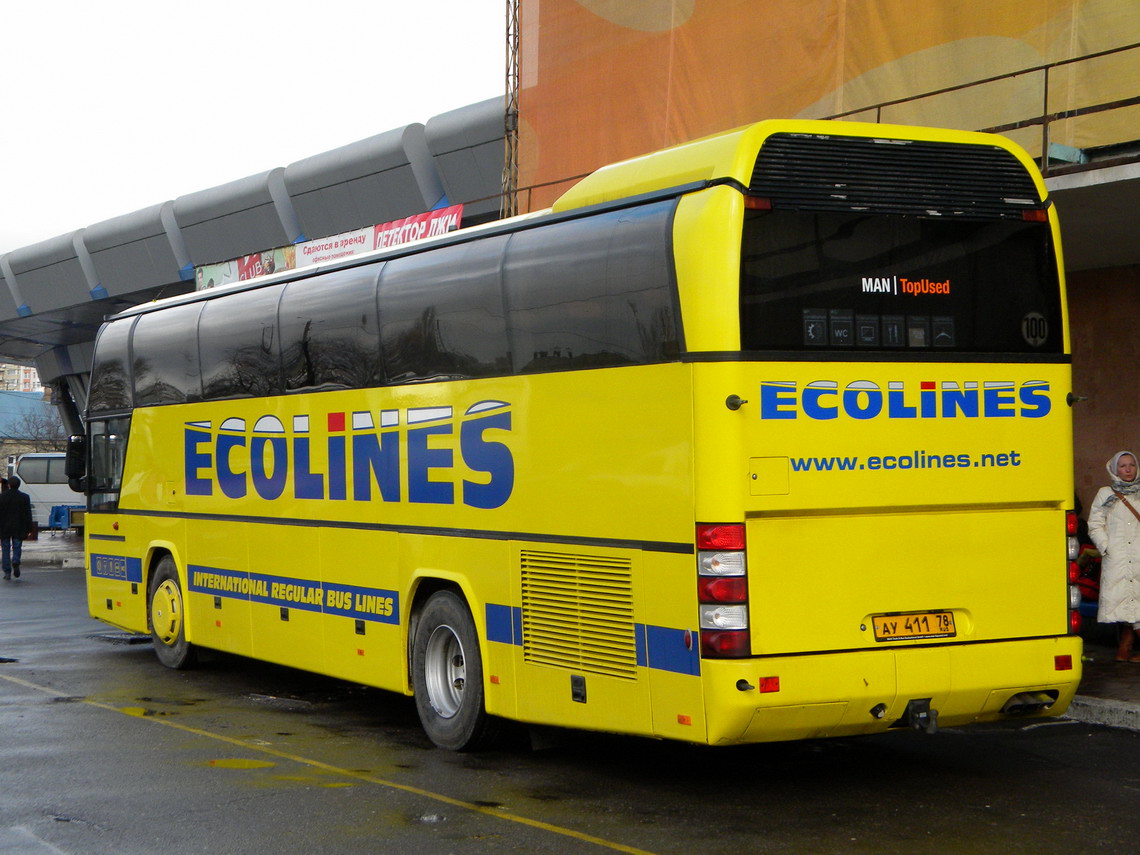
(711, 589)
(720, 536)
(732, 644)
(1074, 572)
(722, 591)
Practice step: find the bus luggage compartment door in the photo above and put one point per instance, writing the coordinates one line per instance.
(843, 581)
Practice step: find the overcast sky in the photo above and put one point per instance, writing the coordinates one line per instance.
(109, 107)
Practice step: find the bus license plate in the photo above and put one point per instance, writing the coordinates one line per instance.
(913, 626)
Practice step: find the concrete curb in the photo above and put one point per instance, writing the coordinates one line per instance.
(1107, 712)
(53, 559)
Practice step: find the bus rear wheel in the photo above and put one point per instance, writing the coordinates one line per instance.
(167, 618)
(447, 676)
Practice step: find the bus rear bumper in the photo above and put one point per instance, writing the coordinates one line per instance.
(871, 691)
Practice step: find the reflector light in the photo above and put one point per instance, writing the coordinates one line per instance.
(768, 684)
(1035, 215)
(724, 644)
(721, 563)
(728, 536)
(757, 203)
(714, 589)
(1074, 622)
(1063, 663)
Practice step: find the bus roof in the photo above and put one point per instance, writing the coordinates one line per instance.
(727, 157)
(732, 155)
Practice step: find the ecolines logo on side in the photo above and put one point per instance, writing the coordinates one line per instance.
(362, 453)
(865, 399)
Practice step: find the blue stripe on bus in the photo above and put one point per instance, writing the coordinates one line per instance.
(372, 604)
(668, 650)
(659, 647)
(500, 623)
(116, 567)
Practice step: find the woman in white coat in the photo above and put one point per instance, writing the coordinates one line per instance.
(1114, 526)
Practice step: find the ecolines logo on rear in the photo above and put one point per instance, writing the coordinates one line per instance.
(365, 453)
(866, 399)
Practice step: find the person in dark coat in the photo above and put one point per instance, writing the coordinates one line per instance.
(15, 526)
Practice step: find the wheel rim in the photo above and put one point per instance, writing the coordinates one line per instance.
(166, 612)
(445, 671)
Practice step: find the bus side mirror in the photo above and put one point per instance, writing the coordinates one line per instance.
(75, 464)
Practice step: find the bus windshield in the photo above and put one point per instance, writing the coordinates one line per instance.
(880, 282)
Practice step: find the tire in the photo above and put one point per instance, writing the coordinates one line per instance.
(447, 676)
(167, 618)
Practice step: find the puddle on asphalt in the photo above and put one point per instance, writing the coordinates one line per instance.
(240, 763)
(314, 781)
(139, 712)
(173, 702)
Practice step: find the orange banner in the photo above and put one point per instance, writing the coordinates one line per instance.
(604, 80)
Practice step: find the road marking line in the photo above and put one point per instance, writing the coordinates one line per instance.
(133, 712)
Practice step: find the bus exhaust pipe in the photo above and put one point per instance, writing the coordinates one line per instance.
(919, 716)
(1027, 703)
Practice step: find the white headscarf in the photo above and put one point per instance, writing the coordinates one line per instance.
(1126, 487)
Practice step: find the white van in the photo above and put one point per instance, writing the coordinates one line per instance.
(43, 479)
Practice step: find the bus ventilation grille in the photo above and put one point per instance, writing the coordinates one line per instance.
(824, 173)
(577, 612)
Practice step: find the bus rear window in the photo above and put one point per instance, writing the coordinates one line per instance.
(817, 281)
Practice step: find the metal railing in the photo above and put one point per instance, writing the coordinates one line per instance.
(1047, 117)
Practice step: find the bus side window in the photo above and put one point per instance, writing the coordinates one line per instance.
(238, 345)
(56, 470)
(33, 470)
(168, 373)
(593, 292)
(329, 338)
(110, 375)
(442, 315)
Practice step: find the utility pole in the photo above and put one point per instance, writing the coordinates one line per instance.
(510, 203)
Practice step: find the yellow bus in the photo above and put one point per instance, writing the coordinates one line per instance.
(762, 437)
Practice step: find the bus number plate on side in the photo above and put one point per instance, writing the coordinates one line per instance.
(912, 626)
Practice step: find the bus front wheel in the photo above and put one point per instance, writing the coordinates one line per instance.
(447, 675)
(168, 618)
